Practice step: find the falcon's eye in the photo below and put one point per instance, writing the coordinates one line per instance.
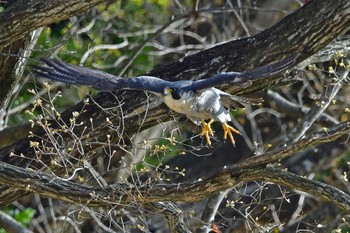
(176, 93)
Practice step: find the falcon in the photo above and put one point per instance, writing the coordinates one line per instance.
(199, 100)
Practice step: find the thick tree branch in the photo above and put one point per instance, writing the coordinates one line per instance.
(26, 16)
(328, 135)
(116, 195)
(13, 60)
(318, 189)
(11, 68)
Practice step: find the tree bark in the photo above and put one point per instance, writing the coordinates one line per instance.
(120, 195)
(25, 16)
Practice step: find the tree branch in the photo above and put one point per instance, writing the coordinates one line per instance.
(316, 111)
(314, 139)
(295, 110)
(318, 189)
(26, 16)
(118, 195)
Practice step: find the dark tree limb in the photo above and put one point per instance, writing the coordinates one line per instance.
(119, 195)
(328, 135)
(318, 189)
(11, 64)
(26, 16)
(11, 68)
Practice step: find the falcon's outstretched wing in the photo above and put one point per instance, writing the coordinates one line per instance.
(71, 74)
(237, 78)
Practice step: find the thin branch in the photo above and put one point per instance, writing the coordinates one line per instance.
(101, 47)
(316, 111)
(139, 48)
(293, 109)
(211, 210)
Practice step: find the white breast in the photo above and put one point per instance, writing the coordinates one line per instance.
(182, 105)
(202, 106)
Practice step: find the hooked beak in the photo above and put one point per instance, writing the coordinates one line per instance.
(167, 91)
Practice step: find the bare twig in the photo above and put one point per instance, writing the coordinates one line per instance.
(211, 209)
(296, 110)
(316, 111)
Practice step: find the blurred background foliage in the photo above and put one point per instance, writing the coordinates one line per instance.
(24, 216)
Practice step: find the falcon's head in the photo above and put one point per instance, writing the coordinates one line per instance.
(175, 93)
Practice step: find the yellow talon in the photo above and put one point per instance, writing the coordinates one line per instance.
(228, 130)
(207, 131)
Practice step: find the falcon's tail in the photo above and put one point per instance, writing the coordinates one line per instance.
(234, 102)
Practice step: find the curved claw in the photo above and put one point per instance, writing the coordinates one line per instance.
(207, 131)
(228, 131)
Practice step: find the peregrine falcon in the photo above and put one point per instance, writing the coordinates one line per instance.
(199, 100)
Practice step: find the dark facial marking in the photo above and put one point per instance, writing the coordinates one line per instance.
(176, 93)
